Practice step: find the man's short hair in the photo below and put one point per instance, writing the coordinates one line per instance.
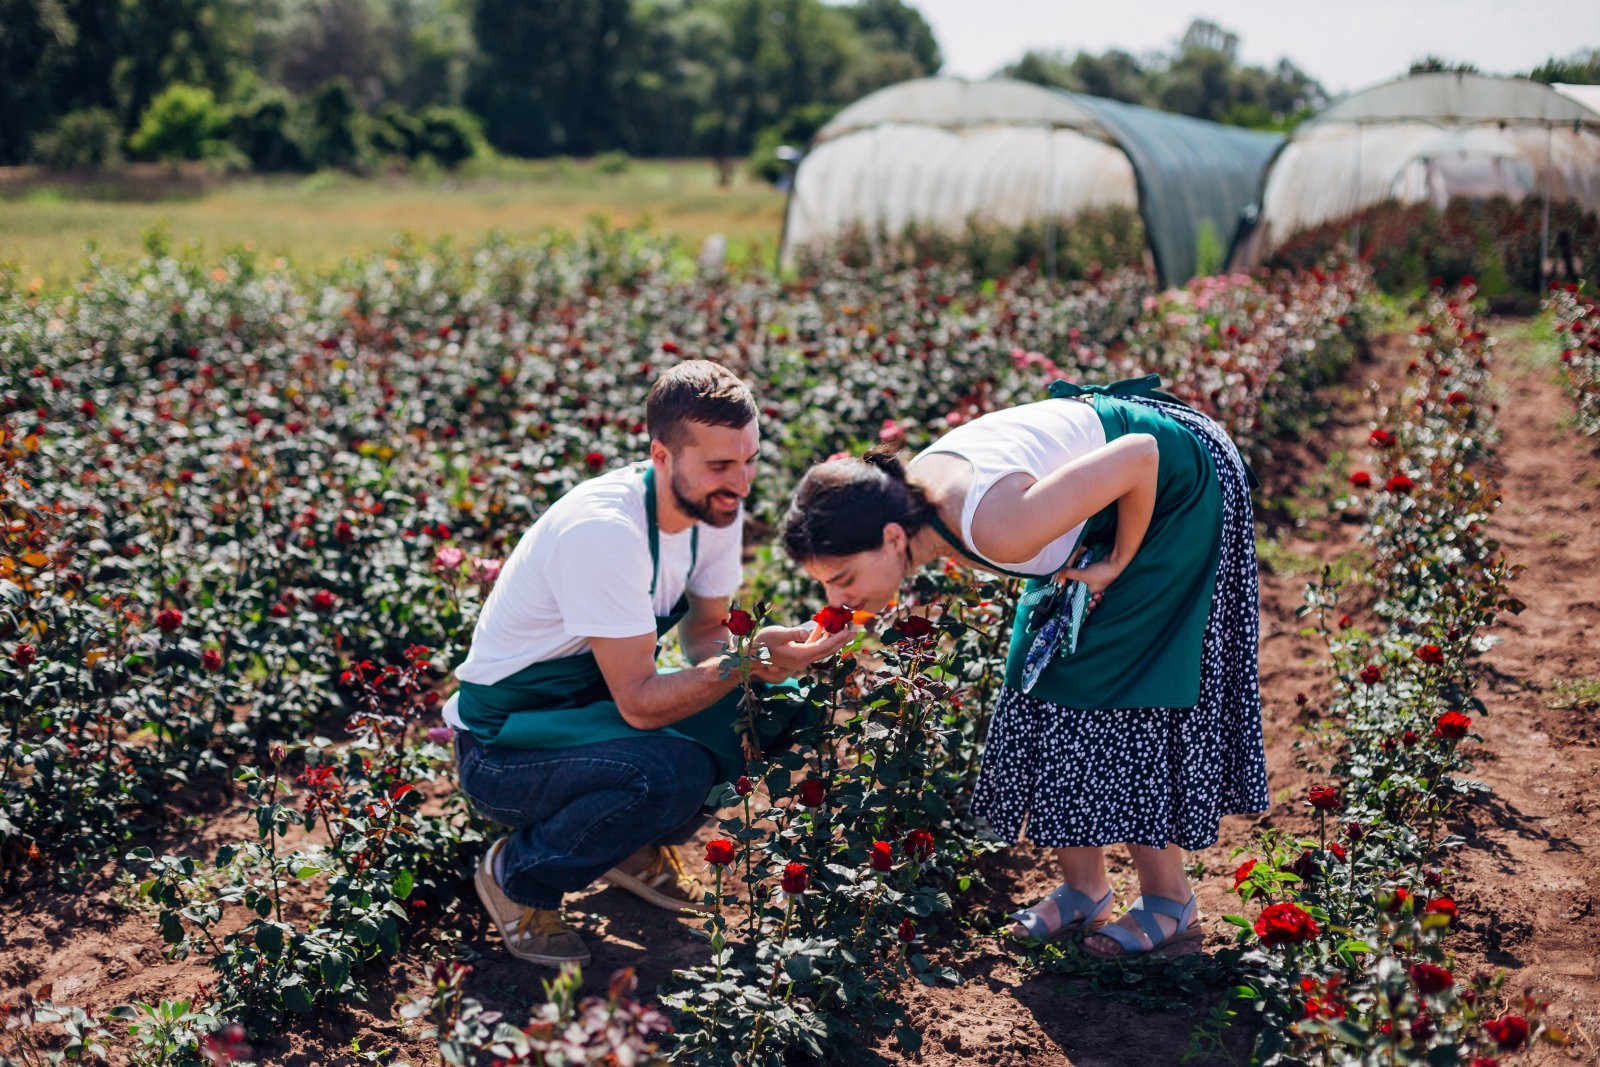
(696, 390)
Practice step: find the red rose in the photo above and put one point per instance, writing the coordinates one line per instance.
(1381, 437)
(919, 845)
(1431, 655)
(280, 610)
(169, 619)
(1408, 738)
(671, 348)
(1399, 483)
(719, 852)
(24, 654)
(1324, 797)
(1285, 924)
(882, 856)
(832, 619)
(915, 626)
(1397, 900)
(344, 532)
(908, 930)
(794, 878)
(1336, 848)
(811, 792)
(323, 601)
(1372, 674)
(1509, 1031)
(1360, 479)
(1485, 1061)
(1431, 978)
(1452, 725)
(739, 623)
(595, 460)
(1441, 906)
(1242, 873)
(1345, 622)
(1456, 397)
(743, 786)
(211, 659)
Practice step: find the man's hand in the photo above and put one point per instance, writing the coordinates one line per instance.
(792, 652)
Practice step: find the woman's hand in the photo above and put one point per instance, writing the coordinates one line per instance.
(791, 651)
(1097, 576)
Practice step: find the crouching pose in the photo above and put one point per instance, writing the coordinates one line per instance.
(566, 731)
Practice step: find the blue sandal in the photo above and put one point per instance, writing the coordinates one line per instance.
(1186, 938)
(1068, 901)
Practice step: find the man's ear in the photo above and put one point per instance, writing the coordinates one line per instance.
(659, 453)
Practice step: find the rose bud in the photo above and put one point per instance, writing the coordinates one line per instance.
(812, 792)
(882, 857)
(719, 852)
(908, 930)
(743, 786)
(794, 878)
(739, 623)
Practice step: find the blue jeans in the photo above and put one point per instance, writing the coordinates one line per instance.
(575, 813)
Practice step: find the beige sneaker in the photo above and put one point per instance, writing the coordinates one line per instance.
(537, 935)
(655, 874)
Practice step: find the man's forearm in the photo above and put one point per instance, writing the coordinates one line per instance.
(663, 699)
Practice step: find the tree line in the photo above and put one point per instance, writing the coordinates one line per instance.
(300, 84)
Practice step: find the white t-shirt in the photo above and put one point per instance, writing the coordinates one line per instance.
(1036, 439)
(582, 570)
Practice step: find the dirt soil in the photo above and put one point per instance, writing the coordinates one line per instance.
(1525, 881)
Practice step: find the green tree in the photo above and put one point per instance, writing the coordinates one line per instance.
(1580, 68)
(181, 123)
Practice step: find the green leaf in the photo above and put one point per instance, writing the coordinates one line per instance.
(225, 855)
(269, 938)
(908, 1038)
(295, 996)
(403, 884)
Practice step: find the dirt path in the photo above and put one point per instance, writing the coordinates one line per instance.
(1527, 880)
(1529, 867)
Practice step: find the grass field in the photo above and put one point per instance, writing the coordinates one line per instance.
(46, 228)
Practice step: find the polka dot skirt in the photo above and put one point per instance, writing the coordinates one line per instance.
(1152, 776)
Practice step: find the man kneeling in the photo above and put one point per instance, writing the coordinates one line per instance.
(566, 730)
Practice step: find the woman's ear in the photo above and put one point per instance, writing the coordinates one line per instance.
(894, 538)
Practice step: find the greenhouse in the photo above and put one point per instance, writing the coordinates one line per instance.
(1428, 138)
(943, 152)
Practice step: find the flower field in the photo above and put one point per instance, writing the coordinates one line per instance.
(250, 517)
(1577, 327)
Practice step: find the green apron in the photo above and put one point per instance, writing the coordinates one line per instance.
(564, 702)
(1141, 647)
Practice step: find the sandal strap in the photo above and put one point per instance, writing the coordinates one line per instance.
(1072, 904)
(1172, 909)
(1031, 923)
(1122, 936)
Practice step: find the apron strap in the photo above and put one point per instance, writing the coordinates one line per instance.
(655, 533)
(1149, 385)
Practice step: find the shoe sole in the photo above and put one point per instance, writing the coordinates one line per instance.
(623, 880)
(484, 883)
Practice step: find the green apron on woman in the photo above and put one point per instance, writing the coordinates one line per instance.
(1141, 646)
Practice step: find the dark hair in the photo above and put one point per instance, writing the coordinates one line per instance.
(840, 507)
(696, 390)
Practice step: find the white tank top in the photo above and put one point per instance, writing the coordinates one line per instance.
(1035, 439)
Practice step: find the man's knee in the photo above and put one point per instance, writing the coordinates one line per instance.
(680, 782)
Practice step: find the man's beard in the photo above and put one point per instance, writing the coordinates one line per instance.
(701, 510)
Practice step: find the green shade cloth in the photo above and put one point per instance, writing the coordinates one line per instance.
(564, 702)
(1141, 646)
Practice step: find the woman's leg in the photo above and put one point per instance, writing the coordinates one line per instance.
(1160, 875)
(1084, 869)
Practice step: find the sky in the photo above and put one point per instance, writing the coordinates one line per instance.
(1346, 46)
